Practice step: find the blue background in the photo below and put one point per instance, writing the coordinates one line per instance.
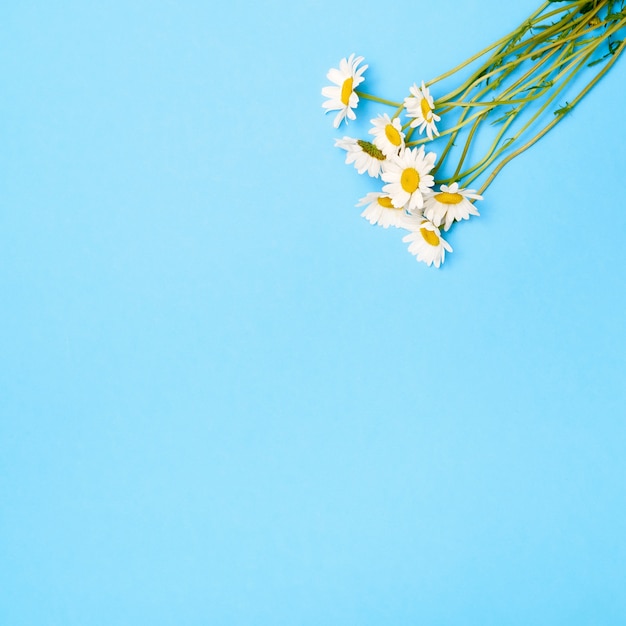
(225, 398)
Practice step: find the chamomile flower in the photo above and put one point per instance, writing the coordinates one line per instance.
(365, 155)
(379, 210)
(408, 177)
(342, 96)
(450, 203)
(421, 107)
(426, 244)
(388, 135)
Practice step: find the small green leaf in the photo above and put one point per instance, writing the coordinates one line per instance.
(505, 116)
(371, 149)
(564, 110)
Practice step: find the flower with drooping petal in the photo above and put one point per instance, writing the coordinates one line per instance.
(379, 210)
(450, 203)
(365, 155)
(421, 107)
(408, 177)
(341, 96)
(426, 243)
(388, 135)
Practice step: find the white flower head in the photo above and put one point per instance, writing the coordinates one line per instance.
(421, 107)
(408, 177)
(426, 243)
(379, 210)
(388, 135)
(365, 155)
(341, 96)
(450, 204)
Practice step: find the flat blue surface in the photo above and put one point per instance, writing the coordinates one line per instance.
(225, 398)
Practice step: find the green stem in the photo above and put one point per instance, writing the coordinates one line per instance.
(565, 57)
(368, 96)
(530, 21)
(516, 62)
(464, 120)
(555, 121)
(572, 70)
(467, 145)
(479, 168)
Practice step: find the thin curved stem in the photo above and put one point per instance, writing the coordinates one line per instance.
(527, 25)
(572, 70)
(369, 96)
(555, 121)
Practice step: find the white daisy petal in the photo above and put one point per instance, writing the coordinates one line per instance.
(335, 76)
(421, 107)
(341, 96)
(380, 210)
(365, 155)
(407, 177)
(450, 204)
(388, 135)
(426, 244)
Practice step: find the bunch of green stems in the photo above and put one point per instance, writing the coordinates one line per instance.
(516, 84)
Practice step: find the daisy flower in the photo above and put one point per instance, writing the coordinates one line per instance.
(342, 97)
(451, 203)
(421, 107)
(365, 155)
(426, 244)
(408, 177)
(379, 210)
(388, 135)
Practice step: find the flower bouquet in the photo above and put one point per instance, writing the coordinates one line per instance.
(510, 94)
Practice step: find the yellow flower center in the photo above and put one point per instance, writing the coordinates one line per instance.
(430, 237)
(410, 179)
(426, 110)
(445, 197)
(385, 201)
(393, 135)
(346, 91)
